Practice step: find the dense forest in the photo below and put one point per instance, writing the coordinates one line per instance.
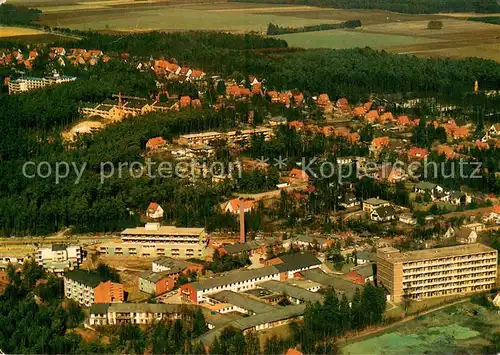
(18, 15)
(48, 326)
(404, 6)
(273, 29)
(355, 73)
(487, 19)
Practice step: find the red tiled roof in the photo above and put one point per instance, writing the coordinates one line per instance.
(380, 141)
(284, 98)
(197, 73)
(482, 145)
(257, 88)
(323, 100)
(371, 116)
(342, 102)
(403, 121)
(353, 138)
(153, 206)
(296, 124)
(247, 204)
(185, 101)
(293, 351)
(272, 94)
(386, 117)
(298, 174)
(445, 150)
(359, 111)
(154, 143)
(419, 153)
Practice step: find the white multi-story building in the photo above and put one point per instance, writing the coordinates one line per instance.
(155, 240)
(437, 272)
(87, 287)
(30, 83)
(60, 257)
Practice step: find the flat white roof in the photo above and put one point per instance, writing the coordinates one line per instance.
(163, 230)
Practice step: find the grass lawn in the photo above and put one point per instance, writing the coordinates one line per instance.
(341, 39)
(463, 328)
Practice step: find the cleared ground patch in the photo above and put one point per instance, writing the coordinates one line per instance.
(341, 39)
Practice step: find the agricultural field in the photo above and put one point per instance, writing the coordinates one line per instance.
(393, 32)
(463, 328)
(341, 39)
(18, 31)
(126, 15)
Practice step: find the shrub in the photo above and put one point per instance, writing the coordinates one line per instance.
(435, 25)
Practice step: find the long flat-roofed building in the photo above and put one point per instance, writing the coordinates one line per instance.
(31, 83)
(244, 280)
(155, 240)
(437, 272)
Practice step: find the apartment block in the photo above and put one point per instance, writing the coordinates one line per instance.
(60, 257)
(30, 83)
(437, 272)
(133, 313)
(155, 240)
(87, 288)
(232, 137)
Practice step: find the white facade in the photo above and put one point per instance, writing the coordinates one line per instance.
(29, 83)
(240, 286)
(78, 292)
(59, 257)
(155, 213)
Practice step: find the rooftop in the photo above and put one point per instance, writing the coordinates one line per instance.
(165, 261)
(242, 301)
(154, 276)
(252, 321)
(163, 230)
(297, 261)
(88, 278)
(237, 248)
(424, 185)
(436, 253)
(145, 308)
(235, 276)
(340, 285)
(375, 201)
(293, 291)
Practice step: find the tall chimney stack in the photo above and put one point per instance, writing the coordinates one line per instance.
(242, 221)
